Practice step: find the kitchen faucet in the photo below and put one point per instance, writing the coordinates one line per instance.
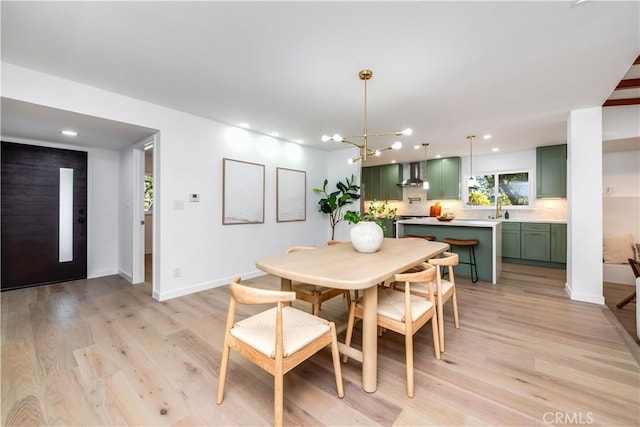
(498, 207)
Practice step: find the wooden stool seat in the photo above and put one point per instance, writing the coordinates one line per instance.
(471, 244)
(458, 242)
(413, 236)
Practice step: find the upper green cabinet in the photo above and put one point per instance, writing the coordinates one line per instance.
(444, 178)
(381, 182)
(551, 171)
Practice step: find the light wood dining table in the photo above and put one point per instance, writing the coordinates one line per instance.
(341, 266)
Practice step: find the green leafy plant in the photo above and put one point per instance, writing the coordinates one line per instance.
(332, 203)
(375, 212)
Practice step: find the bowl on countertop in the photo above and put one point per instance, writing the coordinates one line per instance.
(444, 218)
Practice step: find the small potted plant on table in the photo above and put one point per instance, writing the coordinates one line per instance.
(367, 231)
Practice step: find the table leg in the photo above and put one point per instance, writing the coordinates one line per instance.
(370, 340)
(285, 284)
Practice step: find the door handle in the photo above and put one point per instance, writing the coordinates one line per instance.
(81, 219)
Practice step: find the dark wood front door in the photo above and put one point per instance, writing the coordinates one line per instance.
(38, 248)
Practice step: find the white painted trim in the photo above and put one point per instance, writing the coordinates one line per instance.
(175, 293)
(125, 276)
(103, 273)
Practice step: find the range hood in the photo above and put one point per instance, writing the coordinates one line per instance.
(414, 176)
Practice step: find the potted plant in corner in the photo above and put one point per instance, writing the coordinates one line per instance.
(332, 203)
(367, 231)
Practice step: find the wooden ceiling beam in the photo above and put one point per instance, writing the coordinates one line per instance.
(628, 84)
(619, 102)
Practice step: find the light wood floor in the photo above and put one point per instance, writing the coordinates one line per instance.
(102, 352)
(614, 293)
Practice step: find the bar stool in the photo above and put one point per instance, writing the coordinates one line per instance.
(413, 236)
(471, 244)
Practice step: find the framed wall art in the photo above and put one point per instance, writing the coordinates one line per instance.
(291, 195)
(242, 192)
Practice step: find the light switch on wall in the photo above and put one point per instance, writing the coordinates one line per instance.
(194, 197)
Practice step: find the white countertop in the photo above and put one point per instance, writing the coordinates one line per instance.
(471, 222)
(454, 223)
(542, 221)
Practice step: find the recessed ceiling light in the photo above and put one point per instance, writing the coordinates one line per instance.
(393, 161)
(275, 134)
(69, 132)
(244, 125)
(495, 149)
(415, 147)
(487, 136)
(438, 156)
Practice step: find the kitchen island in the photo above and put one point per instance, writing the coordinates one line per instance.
(488, 252)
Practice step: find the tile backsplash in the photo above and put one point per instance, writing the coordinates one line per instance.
(415, 203)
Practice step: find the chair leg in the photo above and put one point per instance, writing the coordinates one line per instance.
(627, 300)
(440, 322)
(454, 302)
(315, 308)
(347, 295)
(408, 348)
(278, 398)
(335, 354)
(352, 317)
(223, 372)
(436, 339)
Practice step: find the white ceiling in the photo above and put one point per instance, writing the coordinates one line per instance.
(446, 69)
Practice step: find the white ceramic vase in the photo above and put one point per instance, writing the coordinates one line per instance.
(366, 236)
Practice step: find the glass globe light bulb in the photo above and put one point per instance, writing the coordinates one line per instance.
(336, 137)
(407, 131)
(377, 153)
(396, 145)
(325, 138)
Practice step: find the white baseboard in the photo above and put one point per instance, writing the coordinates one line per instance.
(126, 276)
(101, 273)
(175, 293)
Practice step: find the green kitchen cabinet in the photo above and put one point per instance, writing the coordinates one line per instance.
(390, 177)
(381, 182)
(388, 227)
(370, 182)
(559, 243)
(444, 178)
(551, 171)
(535, 242)
(511, 239)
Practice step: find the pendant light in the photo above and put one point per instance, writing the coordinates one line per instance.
(425, 183)
(472, 180)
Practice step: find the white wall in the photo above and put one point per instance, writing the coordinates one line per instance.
(621, 193)
(102, 213)
(189, 160)
(584, 185)
(125, 214)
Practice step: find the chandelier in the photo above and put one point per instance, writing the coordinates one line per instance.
(365, 151)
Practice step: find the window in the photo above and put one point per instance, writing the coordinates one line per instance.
(512, 189)
(148, 192)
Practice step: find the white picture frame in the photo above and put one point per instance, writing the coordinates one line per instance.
(242, 192)
(291, 195)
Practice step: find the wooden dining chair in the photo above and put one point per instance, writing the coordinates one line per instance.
(277, 340)
(403, 313)
(314, 294)
(444, 291)
(635, 266)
